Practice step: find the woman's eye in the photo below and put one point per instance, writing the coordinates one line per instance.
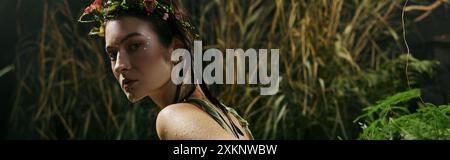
(112, 56)
(134, 47)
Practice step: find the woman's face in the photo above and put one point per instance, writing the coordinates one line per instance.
(139, 61)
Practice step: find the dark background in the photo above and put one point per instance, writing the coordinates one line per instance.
(18, 19)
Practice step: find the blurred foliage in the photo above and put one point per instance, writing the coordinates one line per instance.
(391, 119)
(65, 89)
(6, 70)
(335, 56)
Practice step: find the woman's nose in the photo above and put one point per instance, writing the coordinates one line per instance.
(122, 63)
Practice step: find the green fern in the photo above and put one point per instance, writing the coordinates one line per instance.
(391, 120)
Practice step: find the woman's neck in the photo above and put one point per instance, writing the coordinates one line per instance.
(165, 95)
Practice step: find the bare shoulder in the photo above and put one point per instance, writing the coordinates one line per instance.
(184, 121)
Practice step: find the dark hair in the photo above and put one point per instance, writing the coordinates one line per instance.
(168, 29)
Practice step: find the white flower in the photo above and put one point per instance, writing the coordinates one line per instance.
(166, 16)
(363, 126)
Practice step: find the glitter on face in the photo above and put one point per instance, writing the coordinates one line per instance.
(147, 44)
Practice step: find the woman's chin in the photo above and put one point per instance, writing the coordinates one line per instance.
(133, 98)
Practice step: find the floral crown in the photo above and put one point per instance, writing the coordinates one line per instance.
(101, 10)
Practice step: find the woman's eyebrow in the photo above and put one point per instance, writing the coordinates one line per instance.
(128, 36)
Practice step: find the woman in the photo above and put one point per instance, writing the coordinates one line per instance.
(140, 36)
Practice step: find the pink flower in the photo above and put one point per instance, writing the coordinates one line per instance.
(92, 7)
(88, 10)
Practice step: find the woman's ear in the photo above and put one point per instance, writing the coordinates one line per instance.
(175, 44)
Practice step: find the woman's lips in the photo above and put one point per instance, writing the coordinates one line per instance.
(127, 84)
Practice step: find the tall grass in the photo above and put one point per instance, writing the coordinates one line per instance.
(335, 56)
(323, 44)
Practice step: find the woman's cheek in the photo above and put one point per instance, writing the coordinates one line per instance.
(116, 75)
(154, 69)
